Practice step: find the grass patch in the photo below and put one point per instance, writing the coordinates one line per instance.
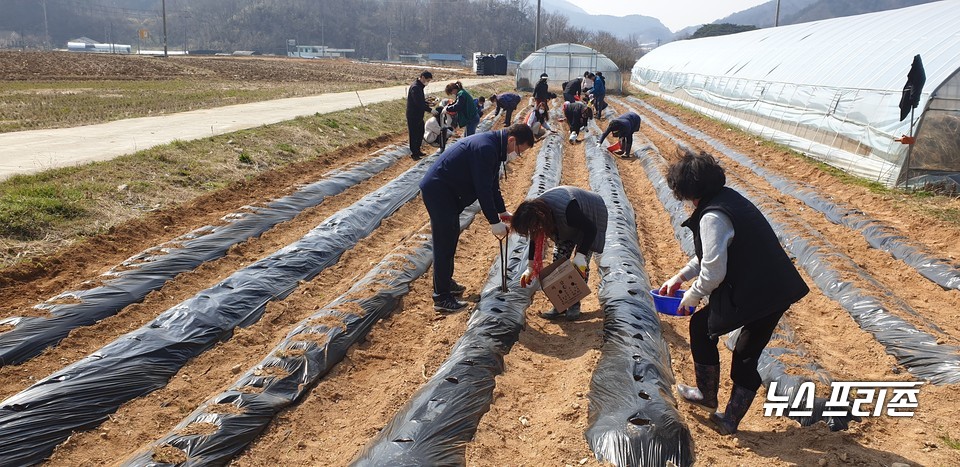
(946, 214)
(244, 158)
(950, 442)
(287, 148)
(30, 205)
(875, 187)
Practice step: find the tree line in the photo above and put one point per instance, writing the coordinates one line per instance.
(368, 26)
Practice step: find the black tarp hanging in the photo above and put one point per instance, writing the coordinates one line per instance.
(910, 97)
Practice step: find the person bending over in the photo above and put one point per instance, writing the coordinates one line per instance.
(575, 219)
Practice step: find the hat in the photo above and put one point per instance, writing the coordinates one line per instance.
(543, 76)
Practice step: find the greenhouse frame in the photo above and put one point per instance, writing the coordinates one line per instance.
(830, 89)
(563, 62)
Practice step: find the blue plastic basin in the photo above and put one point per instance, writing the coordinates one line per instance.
(669, 305)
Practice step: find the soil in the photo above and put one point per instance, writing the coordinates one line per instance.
(540, 411)
(68, 66)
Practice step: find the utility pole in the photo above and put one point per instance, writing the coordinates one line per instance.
(163, 4)
(776, 21)
(536, 39)
(46, 27)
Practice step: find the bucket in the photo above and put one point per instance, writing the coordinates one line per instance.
(614, 147)
(669, 305)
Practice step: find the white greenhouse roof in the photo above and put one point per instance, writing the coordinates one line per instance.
(566, 61)
(842, 75)
(871, 51)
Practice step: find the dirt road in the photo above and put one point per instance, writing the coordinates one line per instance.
(38, 150)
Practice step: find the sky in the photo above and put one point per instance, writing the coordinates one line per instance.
(674, 14)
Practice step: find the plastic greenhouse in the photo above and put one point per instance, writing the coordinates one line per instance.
(830, 89)
(563, 62)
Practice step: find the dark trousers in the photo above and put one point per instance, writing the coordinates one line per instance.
(746, 354)
(444, 210)
(599, 104)
(508, 118)
(415, 128)
(626, 143)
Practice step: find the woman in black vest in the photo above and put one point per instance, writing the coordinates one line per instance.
(748, 277)
(572, 218)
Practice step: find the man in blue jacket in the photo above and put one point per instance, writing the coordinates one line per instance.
(469, 170)
(622, 127)
(599, 93)
(507, 101)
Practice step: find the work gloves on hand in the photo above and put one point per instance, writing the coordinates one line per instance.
(580, 261)
(689, 303)
(527, 278)
(670, 287)
(499, 229)
(506, 216)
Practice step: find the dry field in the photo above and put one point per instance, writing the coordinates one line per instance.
(540, 407)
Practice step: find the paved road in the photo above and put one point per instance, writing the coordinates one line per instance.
(37, 150)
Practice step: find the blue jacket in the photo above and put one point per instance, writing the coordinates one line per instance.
(599, 86)
(623, 125)
(507, 101)
(470, 170)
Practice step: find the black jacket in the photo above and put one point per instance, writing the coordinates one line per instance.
(541, 91)
(416, 101)
(574, 115)
(573, 86)
(761, 279)
(622, 125)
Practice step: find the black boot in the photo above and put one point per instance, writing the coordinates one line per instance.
(726, 423)
(573, 313)
(704, 393)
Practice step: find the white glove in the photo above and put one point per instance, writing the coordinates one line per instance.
(499, 229)
(599, 143)
(527, 278)
(670, 287)
(580, 261)
(689, 303)
(506, 216)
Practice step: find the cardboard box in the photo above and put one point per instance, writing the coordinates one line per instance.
(563, 284)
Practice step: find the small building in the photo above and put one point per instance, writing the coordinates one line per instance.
(444, 59)
(318, 51)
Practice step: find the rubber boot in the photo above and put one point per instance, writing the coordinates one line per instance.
(704, 393)
(573, 313)
(726, 423)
